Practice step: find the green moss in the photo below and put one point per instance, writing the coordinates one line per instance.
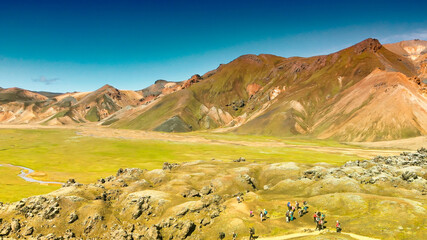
(93, 115)
(61, 154)
(110, 121)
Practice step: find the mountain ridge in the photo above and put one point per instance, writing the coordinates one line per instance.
(286, 96)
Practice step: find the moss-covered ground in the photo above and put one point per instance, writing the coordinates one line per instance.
(60, 154)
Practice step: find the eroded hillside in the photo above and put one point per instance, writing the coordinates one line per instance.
(197, 200)
(367, 92)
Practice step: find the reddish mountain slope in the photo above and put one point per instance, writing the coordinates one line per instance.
(365, 92)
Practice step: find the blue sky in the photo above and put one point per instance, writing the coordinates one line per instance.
(81, 45)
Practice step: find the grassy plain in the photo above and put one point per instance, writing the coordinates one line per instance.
(13, 188)
(60, 154)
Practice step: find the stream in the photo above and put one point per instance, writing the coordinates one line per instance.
(25, 175)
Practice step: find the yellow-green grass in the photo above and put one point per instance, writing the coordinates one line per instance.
(62, 154)
(14, 188)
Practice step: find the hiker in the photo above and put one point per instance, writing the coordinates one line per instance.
(289, 206)
(262, 217)
(238, 199)
(251, 213)
(315, 217)
(251, 233)
(305, 209)
(323, 216)
(300, 212)
(305, 203)
(320, 224)
(287, 216)
(292, 215)
(221, 235)
(296, 205)
(265, 213)
(338, 226)
(234, 236)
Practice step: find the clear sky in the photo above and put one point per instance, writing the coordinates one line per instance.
(81, 45)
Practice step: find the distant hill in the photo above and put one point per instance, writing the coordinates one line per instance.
(366, 92)
(48, 94)
(17, 94)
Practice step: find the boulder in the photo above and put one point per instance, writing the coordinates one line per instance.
(73, 217)
(69, 234)
(409, 176)
(28, 231)
(5, 229)
(15, 225)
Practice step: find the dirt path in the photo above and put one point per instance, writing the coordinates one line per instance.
(409, 143)
(297, 235)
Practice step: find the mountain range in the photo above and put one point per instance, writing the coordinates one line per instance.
(366, 92)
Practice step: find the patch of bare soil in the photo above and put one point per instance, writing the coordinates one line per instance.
(405, 144)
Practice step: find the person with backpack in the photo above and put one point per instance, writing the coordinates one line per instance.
(300, 212)
(305, 209)
(287, 216)
(315, 217)
(338, 226)
(289, 205)
(251, 233)
(265, 213)
(296, 205)
(234, 235)
(251, 213)
(320, 224)
(292, 215)
(261, 216)
(238, 199)
(323, 217)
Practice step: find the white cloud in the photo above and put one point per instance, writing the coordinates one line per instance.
(416, 34)
(45, 80)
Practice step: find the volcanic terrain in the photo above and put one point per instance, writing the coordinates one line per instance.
(367, 92)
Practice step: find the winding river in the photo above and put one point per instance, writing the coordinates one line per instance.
(25, 172)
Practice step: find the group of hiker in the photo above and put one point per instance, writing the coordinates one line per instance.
(318, 217)
(291, 210)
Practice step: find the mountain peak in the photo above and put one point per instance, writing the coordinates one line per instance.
(370, 44)
(105, 87)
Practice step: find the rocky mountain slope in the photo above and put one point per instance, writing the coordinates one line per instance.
(197, 200)
(366, 92)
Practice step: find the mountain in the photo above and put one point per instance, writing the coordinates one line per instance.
(49, 94)
(17, 94)
(271, 95)
(416, 51)
(366, 92)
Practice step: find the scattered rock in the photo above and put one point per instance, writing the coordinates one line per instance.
(71, 182)
(5, 229)
(206, 190)
(28, 231)
(73, 217)
(249, 180)
(169, 166)
(409, 176)
(241, 159)
(15, 225)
